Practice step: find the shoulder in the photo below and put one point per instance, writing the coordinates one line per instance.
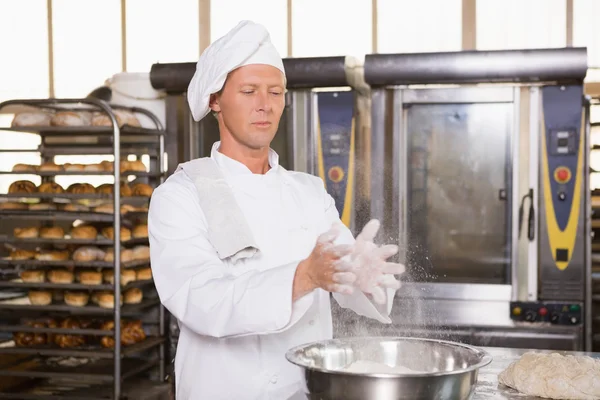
(177, 191)
(304, 180)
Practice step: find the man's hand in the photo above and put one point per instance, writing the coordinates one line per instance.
(373, 274)
(325, 267)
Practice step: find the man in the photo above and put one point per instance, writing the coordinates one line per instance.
(244, 253)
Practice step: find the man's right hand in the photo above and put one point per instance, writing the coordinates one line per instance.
(324, 267)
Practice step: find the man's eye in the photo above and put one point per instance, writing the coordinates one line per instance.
(248, 91)
(276, 93)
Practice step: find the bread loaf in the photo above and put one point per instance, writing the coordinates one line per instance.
(53, 232)
(50, 187)
(84, 232)
(88, 253)
(26, 233)
(72, 118)
(24, 168)
(22, 186)
(24, 119)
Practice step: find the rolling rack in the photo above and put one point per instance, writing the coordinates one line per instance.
(595, 222)
(89, 370)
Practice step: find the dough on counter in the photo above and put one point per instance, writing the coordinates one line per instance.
(373, 367)
(554, 376)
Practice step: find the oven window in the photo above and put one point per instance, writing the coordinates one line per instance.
(458, 197)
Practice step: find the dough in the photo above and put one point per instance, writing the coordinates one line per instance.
(372, 367)
(554, 376)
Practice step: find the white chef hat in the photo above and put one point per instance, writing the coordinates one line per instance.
(247, 43)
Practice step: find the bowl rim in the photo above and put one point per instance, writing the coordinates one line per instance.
(486, 358)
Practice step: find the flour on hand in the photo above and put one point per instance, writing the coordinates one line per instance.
(372, 367)
(554, 376)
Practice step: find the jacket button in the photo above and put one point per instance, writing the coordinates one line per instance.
(274, 379)
(311, 322)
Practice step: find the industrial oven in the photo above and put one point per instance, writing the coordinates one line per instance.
(479, 168)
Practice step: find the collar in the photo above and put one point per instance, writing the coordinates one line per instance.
(233, 167)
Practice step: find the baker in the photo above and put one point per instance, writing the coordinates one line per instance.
(245, 253)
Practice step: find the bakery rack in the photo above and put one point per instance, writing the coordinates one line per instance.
(43, 369)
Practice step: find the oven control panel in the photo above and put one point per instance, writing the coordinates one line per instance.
(555, 313)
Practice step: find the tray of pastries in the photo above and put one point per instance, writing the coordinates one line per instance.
(102, 168)
(73, 118)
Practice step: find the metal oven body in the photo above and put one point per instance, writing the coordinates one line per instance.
(481, 176)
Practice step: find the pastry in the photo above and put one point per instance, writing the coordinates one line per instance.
(88, 253)
(123, 118)
(60, 276)
(106, 188)
(52, 255)
(31, 119)
(93, 168)
(142, 189)
(81, 188)
(141, 253)
(77, 299)
(33, 276)
(133, 296)
(126, 255)
(127, 276)
(89, 277)
(105, 209)
(47, 167)
(107, 300)
(53, 232)
(73, 167)
(137, 166)
(108, 166)
(71, 118)
(40, 297)
(24, 168)
(84, 232)
(140, 231)
(42, 207)
(109, 233)
(143, 274)
(22, 186)
(66, 341)
(11, 205)
(19, 254)
(75, 208)
(50, 187)
(26, 233)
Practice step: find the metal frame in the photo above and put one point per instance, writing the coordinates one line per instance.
(116, 135)
(534, 182)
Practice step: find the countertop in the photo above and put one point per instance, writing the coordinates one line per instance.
(487, 384)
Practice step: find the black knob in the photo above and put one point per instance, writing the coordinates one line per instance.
(530, 316)
(574, 320)
(554, 318)
(562, 196)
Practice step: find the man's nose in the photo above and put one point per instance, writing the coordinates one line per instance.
(263, 101)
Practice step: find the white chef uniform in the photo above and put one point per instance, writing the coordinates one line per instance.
(237, 319)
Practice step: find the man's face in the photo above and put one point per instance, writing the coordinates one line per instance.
(251, 103)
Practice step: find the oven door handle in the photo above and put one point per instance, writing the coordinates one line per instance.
(531, 218)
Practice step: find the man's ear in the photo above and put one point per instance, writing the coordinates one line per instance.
(214, 102)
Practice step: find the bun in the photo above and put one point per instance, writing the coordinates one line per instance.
(53, 232)
(75, 208)
(142, 189)
(71, 118)
(143, 274)
(127, 276)
(81, 188)
(40, 297)
(141, 253)
(88, 253)
(50, 187)
(105, 209)
(33, 276)
(20, 254)
(84, 232)
(11, 205)
(123, 118)
(73, 167)
(22, 186)
(126, 255)
(136, 165)
(31, 119)
(60, 276)
(52, 255)
(24, 168)
(133, 296)
(89, 277)
(50, 167)
(109, 233)
(107, 300)
(77, 299)
(140, 231)
(93, 168)
(26, 233)
(108, 166)
(42, 207)
(65, 341)
(106, 188)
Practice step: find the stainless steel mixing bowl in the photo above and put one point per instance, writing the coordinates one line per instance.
(449, 369)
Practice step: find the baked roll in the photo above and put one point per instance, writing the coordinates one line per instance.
(109, 233)
(68, 341)
(20, 254)
(81, 188)
(31, 119)
(93, 168)
(137, 166)
(77, 299)
(40, 297)
(88, 253)
(140, 231)
(71, 118)
(60, 276)
(84, 232)
(141, 253)
(142, 189)
(33, 276)
(50, 167)
(123, 117)
(127, 276)
(24, 168)
(133, 296)
(143, 274)
(50, 187)
(26, 233)
(12, 205)
(126, 255)
(22, 186)
(73, 167)
(108, 166)
(75, 208)
(52, 255)
(42, 207)
(53, 232)
(89, 277)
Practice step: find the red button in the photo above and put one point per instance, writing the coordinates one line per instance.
(543, 311)
(334, 174)
(562, 174)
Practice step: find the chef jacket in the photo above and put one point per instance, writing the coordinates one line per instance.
(237, 319)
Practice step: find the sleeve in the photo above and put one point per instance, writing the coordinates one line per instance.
(358, 301)
(205, 294)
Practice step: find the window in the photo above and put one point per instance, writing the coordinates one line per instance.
(586, 30)
(225, 14)
(161, 31)
(331, 28)
(24, 68)
(408, 26)
(517, 24)
(87, 44)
